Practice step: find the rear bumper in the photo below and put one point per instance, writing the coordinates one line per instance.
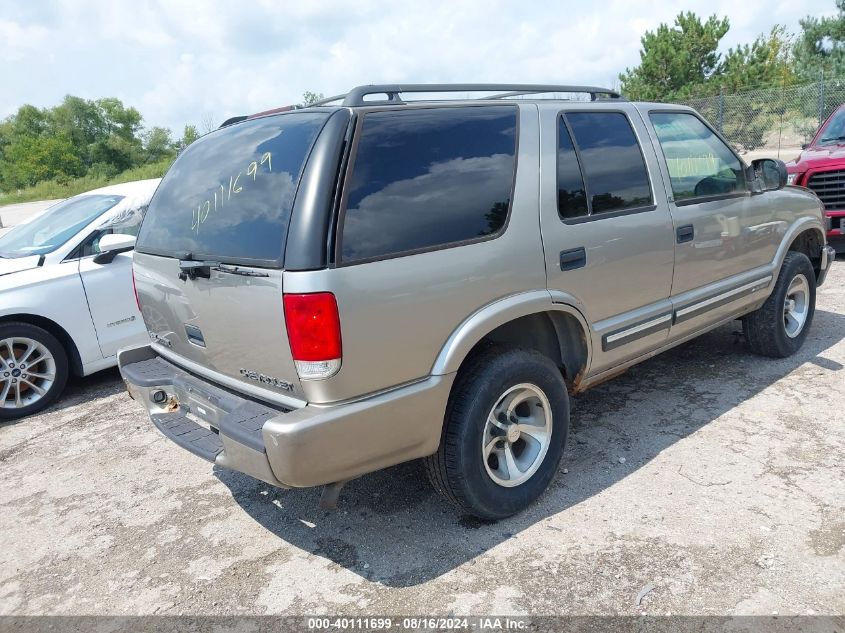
(311, 446)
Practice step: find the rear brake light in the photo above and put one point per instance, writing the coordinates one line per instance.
(135, 290)
(313, 327)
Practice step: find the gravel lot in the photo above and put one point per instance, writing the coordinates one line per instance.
(714, 476)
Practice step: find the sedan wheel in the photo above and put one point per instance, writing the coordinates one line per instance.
(27, 372)
(33, 369)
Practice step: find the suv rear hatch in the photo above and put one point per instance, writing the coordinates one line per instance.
(210, 252)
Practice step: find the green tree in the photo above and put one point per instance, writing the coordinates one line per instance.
(158, 144)
(81, 121)
(309, 98)
(189, 135)
(120, 120)
(820, 46)
(675, 62)
(120, 147)
(766, 62)
(31, 159)
(28, 121)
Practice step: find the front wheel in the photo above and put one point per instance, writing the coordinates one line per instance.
(778, 328)
(505, 430)
(33, 370)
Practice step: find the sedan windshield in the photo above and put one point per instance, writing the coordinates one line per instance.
(55, 226)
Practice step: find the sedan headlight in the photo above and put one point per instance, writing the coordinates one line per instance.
(790, 179)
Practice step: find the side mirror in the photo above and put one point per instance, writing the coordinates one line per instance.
(770, 173)
(804, 146)
(113, 244)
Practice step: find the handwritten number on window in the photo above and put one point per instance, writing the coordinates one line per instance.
(200, 214)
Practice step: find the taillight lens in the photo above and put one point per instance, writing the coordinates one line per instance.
(135, 290)
(313, 326)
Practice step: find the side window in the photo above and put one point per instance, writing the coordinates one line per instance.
(571, 195)
(699, 163)
(126, 222)
(428, 177)
(612, 161)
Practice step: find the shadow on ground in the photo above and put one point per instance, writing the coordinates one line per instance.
(635, 416)
(81, 389)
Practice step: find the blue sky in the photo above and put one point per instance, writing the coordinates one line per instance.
(188, 62)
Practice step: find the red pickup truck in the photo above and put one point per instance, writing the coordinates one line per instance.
(821, 168)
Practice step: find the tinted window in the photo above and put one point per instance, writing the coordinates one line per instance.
(571, 196)
(699, 163)
(613, 163)
(428, 177)
(230, 194)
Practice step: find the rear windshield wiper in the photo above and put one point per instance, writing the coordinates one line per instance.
(234, 270)
(190, 268)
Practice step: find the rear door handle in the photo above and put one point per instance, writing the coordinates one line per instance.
(573, 258)
(686, 233)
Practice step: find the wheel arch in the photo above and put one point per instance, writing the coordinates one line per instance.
(807, 236)
(810, 242)
(74, 358)
(533, 320)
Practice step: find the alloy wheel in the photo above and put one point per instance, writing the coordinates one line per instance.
(796, 306)
(517, 435)
(27, 372)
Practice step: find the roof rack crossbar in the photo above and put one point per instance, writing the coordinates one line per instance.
(355, 97)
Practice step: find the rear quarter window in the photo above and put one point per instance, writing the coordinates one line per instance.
(428, 178)
(229, 196)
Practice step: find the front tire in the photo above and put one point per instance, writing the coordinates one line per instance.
(778, 328)
(505, 429)
(33, 370)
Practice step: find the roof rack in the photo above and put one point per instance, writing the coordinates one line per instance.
(326, 100)
(355, 97)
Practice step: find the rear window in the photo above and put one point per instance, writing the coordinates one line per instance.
(229, 196)
(426, 178)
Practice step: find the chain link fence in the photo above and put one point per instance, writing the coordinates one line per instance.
(773, 120)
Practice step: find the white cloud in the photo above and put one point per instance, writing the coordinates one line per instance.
(19, 40)
(176, 60)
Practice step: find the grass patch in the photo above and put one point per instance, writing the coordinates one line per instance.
(53, 190)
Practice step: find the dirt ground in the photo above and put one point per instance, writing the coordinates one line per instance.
(704, 481)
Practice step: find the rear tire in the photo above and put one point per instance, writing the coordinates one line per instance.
(778, 328)
(33, 370)
(504, 433)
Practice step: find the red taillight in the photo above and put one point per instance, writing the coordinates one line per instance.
(313, 326)
(135, 290)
